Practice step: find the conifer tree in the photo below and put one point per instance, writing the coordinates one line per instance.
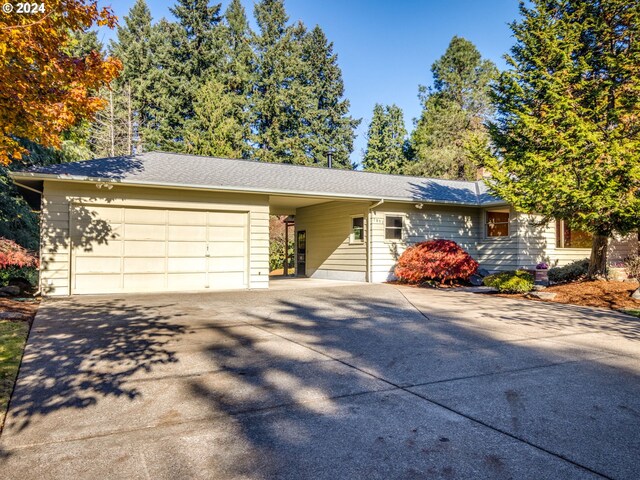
(279, 96)
(221, 124)
(133, 48)
(236, 71)
(171, 91)
(567, 132)
(386, 140)
(327, 122)
(215, 129)
(196, 49)
(454, 112)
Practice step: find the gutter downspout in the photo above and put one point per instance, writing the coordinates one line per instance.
(369, 240)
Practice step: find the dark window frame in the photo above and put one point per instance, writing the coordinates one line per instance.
(398, 230)
(488, 224)
(561, 241)
(352, 236)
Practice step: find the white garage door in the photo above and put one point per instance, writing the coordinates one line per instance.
(125, 249)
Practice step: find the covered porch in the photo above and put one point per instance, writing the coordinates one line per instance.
(319, 237)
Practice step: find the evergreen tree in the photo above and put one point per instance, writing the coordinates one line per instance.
(215, 129)
(567, 132)
(454, 112)
(386, 141)
(327, 122)
(17, 221)
(279, 97)
(133, 48)
(172, 93)
(199, 47)
(196, 49)
(236, 73)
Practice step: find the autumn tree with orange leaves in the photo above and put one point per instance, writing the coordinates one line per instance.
(44, 89)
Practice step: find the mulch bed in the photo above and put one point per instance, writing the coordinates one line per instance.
(27, 308)
(599, 293)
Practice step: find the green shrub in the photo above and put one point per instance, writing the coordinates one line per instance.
(276, 254)
(27, 274)
(571, 272)
(510, 282)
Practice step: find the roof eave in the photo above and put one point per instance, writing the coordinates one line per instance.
(141, 183)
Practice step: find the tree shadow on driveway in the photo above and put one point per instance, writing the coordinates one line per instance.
(69, 345)
(349, 382)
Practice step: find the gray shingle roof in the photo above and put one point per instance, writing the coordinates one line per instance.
(160, 168)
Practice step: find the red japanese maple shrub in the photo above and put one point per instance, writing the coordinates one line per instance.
(13, 255)
(440, 260)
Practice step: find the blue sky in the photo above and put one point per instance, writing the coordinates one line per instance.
(386, 49)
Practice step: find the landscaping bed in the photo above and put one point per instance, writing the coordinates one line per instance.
(598, 293)
(15, 320)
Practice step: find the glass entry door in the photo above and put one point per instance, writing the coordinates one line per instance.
(301, 253)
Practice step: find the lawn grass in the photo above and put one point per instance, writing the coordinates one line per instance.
(13, 335)
(631, 311)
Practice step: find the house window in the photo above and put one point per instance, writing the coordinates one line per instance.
(357, 230)
(567, 237)
(393, 227)
(497, 223)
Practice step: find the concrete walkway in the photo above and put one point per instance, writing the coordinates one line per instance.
(341, 381)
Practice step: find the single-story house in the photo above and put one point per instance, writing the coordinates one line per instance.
(167, 222)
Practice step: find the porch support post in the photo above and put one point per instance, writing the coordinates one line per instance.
(286, 248)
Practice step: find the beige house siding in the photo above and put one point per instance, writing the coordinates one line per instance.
(65, 205)
(459, 224)
(498, 253)
(526, 245)
(538, 243)
(330, 252)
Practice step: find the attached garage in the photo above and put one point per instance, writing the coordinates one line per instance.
(101, 237)
(158, 249)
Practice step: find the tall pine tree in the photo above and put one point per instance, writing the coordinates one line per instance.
(386, 139)
(133, 48)
(215, 129)
(454, 112)
(197, 48)
(171, 90)
(279, 97)
(326, 121)
(567, 135)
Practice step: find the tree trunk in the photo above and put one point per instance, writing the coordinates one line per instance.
(129, 122)
(598, 260)
(112, 127)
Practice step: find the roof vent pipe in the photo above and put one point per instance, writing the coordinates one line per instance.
(330, 158)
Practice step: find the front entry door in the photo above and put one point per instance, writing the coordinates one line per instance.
(301, 253)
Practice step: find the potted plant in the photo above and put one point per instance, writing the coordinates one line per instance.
(541, 274)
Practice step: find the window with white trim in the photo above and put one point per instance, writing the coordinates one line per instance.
(393, 227)
(357, 229)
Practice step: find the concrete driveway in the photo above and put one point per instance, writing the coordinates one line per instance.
(331, 382)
